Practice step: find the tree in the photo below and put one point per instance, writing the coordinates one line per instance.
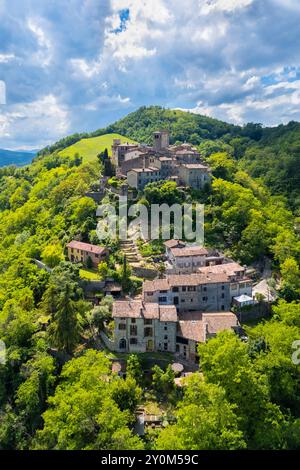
(65, 329)
(126, 394)
(125, 274)
(205, 421)
(163, 381)
(52, 255)
(134, 368)
(225, 361)
(290, 282)
(103, 269)
(82, 414)
(222, 165)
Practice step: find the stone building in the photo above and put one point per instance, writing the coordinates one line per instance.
(180, 163)
(195, 175)
(197, 327)
(139, 177)
(197, 291)
(79, 252)
(143, 326)
(119, 151)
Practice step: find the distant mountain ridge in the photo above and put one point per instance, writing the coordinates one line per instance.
(16, 157)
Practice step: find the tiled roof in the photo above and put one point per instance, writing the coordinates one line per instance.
(140, 309)
(177, 280)
(173, 243)
(195, 166)
(189, 251)
(228, 268)
(86, 247)
(196, 325)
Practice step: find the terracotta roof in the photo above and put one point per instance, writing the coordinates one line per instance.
(189, 251)
(195, 166)
(196, 325)
(190, 326)
(177, 280)
(168, 313)
(140, 309)
(144, 170)
(87, 247)
(228, 268)
(173, 243)
(156, 284)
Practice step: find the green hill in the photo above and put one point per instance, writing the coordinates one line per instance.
(89, 148)
(271, 154)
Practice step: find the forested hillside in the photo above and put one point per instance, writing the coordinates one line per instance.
(271, 154)
(58, 392)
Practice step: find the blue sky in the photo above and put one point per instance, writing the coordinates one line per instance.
(77, 65)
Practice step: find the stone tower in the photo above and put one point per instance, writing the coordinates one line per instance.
(161, 140)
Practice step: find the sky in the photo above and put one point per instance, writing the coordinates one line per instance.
(77, 65)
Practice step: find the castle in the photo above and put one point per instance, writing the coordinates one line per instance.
(141, 164)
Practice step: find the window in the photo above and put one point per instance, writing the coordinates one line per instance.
(147, 322)
(165, 346)
(177, 348)
(133, 341)
(183, 289)
(166, 328)
(122, 326)
(191, 288)
(166, 337)
(150, 293)
(204, 299)
(223, 287)
(175, 289)
(133, 320)
(204, 288)
(182, 301)
(148, 332)
(222, 307)
(162, 299)
(223, 296)
(133, 330)
(163, 291)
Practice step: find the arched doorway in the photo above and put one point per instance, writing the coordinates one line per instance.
(122, 343)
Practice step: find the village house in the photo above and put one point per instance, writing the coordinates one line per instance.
(119, 151)
(240, 283)
(194, 175)
(144, 326)
(79, 252)
(139, 177)
(183, 258)
(197, 327)
(196, 291)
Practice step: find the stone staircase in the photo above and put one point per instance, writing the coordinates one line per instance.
(130, 250)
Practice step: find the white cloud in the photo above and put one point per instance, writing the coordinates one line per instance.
(209, 6)
(44, 118)
(43, 56)
(4, 58)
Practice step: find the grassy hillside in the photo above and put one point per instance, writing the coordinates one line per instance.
(89, 148)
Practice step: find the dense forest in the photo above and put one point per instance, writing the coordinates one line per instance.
(57, 391)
